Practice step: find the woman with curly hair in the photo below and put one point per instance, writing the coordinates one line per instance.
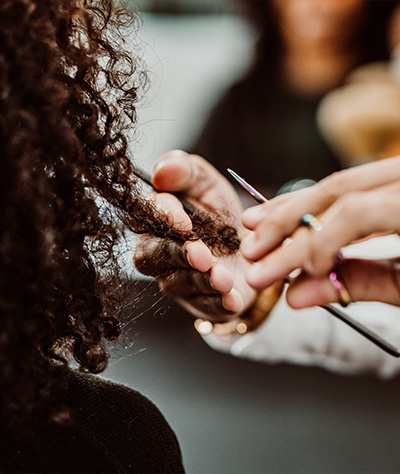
(68, 93)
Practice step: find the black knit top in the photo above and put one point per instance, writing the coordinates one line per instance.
(113, 429)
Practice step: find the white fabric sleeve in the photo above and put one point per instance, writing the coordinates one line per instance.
(312, 336)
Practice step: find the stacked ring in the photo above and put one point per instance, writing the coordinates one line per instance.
(311, 222)
(344, 297)
(343, 294)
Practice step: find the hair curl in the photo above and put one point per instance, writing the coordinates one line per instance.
(68, 93)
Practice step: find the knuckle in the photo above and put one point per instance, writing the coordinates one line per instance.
(351, 204)
(329, 189)
(274, 222)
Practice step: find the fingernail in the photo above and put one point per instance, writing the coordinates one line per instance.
(170, 156)
(232, 301)
(258, 276)
(174, 171)
(255, 271)
(262, 274)
(339, 257)
(250, 212)
(160, 164)
(180, 152)
(185, 246)
(188, 259)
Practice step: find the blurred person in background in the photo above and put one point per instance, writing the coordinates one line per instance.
(265, 127)
(361, 118)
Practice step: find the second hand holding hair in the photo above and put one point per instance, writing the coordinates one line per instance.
(344, 298)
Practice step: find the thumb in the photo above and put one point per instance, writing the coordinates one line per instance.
(365, 280)
(194, 176)
(175, 171)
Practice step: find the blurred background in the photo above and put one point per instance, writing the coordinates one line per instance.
(194, 49)
(232, 415)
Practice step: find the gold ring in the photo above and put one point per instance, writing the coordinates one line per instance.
(311, 222)
(344, 297)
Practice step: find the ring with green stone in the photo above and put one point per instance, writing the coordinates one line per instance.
(311, 222)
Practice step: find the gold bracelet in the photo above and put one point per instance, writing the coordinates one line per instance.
(248, 321)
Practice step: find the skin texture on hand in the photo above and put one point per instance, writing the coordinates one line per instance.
(206, 285)
(351, 205)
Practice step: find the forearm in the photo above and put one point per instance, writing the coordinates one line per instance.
(313, 337)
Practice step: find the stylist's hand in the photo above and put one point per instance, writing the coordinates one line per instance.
(207, 286)
(351, 205)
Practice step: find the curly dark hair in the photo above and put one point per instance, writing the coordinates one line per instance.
(68, 92)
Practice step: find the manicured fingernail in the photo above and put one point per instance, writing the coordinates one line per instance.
(261, 275)
(250, 213)
(339, 257)
(233, 301)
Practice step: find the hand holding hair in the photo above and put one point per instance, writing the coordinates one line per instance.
(207, 285)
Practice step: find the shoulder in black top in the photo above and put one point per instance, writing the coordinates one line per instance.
(113, 429)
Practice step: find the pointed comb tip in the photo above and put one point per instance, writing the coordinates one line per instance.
(235, 175)
(256, 195)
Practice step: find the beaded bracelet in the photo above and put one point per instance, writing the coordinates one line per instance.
(248, 321)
